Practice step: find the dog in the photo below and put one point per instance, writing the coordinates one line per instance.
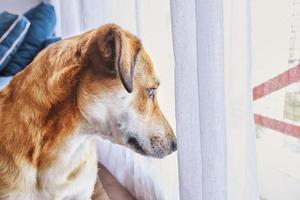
(101, 82)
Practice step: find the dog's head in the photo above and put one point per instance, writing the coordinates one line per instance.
(118, 94)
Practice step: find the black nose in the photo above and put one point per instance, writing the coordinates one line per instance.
(174, 145)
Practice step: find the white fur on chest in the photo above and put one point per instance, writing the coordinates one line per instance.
(71, 176)
(79, 152)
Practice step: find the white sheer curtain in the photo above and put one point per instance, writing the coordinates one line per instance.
(241, 136)
(198, 47)
(76, 16)
(215, 128)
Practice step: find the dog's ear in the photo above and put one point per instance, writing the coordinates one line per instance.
(114, 51)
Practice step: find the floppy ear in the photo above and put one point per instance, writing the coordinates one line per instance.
(115, 53)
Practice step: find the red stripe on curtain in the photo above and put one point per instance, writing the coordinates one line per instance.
(281, 126)
(282, 80)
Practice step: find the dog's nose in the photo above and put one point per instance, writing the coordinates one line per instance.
(174, 145)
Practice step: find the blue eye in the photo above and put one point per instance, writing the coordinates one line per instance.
(151, 93)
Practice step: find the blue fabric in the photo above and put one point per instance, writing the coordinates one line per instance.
(51, 40)
(13, 29)
(7, 19)
(43, 21)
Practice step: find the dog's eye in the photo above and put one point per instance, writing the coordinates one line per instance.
(151, 92)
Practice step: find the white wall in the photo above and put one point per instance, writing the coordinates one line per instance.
(17, 6)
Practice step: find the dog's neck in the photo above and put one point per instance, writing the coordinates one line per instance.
(38, 130)
(40, 103)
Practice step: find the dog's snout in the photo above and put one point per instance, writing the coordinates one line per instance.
(174, 145)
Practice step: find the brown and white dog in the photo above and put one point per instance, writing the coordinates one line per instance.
(101, 82)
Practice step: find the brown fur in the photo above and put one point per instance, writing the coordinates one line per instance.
(37, 113)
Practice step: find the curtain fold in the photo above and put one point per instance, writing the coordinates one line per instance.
(241, 136)
(187, 99)
(199, 76)
(215, 127)
(210, 60)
